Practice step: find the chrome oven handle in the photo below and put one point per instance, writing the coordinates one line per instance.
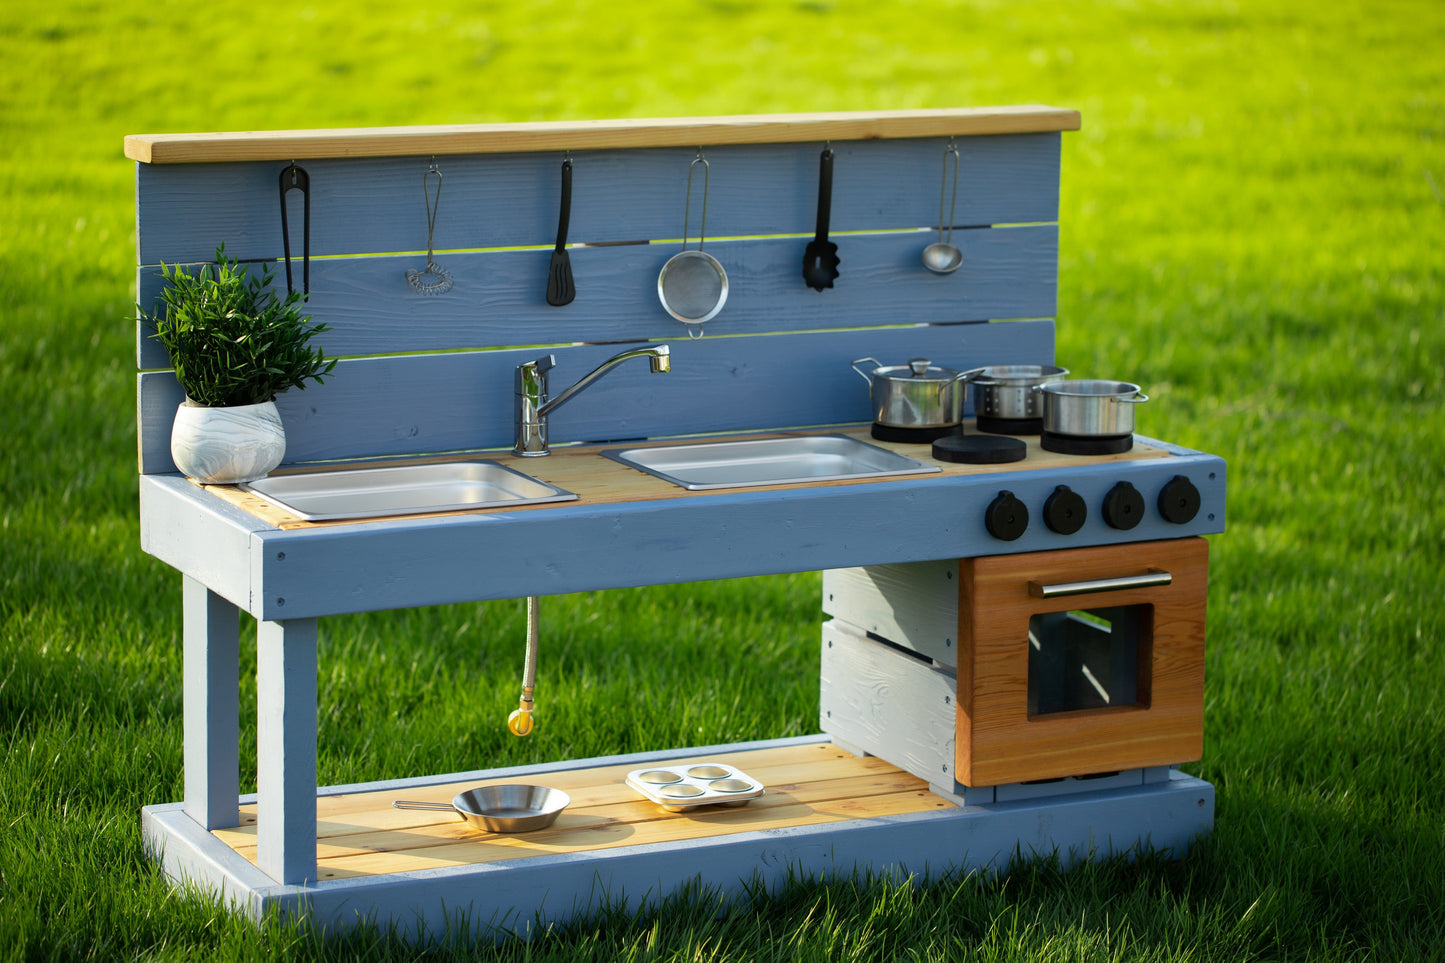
(1154, 577)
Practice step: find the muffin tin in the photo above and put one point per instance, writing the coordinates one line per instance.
(679, 788)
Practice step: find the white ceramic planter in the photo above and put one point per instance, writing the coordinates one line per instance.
(223, 446)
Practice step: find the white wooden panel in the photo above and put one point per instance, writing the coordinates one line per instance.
(888, 704)
(914, 604)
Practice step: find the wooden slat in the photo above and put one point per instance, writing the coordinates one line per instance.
(362, 834)
(489, 201)
(453, 402)
(594, 134)
(498, 298)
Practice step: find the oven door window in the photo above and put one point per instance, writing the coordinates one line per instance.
(1089, 659)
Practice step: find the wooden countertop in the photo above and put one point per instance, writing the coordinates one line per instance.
(285, 145)
(596, 480)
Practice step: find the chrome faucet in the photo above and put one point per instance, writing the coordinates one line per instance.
(533, 405)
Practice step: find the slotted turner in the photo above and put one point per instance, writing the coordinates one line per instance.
(820, 258)
(560, 287)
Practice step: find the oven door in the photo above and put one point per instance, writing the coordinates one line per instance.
(1081, 661)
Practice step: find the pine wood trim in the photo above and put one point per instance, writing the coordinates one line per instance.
(282, 145)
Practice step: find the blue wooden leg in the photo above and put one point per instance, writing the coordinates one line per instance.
(286, 749)
(211, 687)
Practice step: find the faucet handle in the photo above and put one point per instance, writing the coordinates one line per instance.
(532, 377)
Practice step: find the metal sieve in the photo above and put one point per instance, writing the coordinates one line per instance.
(693, 287)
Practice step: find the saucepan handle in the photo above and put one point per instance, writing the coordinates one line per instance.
(866, 377)
(437, 807)
(1138, 399)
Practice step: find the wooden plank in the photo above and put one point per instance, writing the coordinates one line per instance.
(891, 705)
(366, 823)
(211, 704)
(208, 540)
(413, 836)
(286, 749)
(499, 201)
(522, 897)
(577, 469)
(593, 134)
(498, 298)
(914, 604)
(611, 836)
(1000, 742)
(464, 401)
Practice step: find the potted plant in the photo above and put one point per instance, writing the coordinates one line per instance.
(234, 346)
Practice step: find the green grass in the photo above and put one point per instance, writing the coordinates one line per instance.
(1252, 227)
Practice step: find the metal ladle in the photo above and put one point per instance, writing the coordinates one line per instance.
(941, 257)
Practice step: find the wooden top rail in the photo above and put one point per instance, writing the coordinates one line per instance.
(288, 145)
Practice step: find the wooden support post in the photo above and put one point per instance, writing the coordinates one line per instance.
(286, 749)
(211, 696)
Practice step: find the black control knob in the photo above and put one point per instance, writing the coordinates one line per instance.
(1123, 506)
(1006, 517)
(1065, 511)
(1179, 500)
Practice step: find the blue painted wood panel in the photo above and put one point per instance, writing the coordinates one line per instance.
(464, 400)
(499, 298)
(508, 200)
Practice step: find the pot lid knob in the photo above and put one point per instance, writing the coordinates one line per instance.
(919, 366)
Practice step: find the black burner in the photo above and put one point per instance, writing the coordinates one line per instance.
(979, 449)
(1010, 426)
(1081, 445)
(911, 436)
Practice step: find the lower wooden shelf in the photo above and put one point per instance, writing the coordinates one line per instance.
(361, 834)
(826, 812)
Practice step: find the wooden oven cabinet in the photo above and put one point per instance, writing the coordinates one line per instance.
(928, 664)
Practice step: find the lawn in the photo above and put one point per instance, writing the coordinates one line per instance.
(1253, 220)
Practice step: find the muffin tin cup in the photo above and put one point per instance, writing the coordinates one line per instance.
(688, 786)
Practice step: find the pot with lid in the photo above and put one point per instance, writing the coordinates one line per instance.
(917, 396)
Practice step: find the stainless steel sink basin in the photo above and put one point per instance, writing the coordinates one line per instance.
(767, 461)
(404, 490)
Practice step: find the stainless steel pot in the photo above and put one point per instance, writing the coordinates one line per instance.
(1090, 409)
(918, 394)
(1006, 390)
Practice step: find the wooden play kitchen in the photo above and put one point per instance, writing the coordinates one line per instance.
(1013, 659)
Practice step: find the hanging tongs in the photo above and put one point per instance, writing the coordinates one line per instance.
(295, 178)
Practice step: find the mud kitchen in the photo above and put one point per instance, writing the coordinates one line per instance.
(1015, 581)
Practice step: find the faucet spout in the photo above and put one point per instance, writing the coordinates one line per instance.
(533, 405)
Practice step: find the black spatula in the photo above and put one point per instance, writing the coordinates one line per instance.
(820, 259)
(560, 289)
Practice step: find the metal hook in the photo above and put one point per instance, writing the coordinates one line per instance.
(687, 208)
